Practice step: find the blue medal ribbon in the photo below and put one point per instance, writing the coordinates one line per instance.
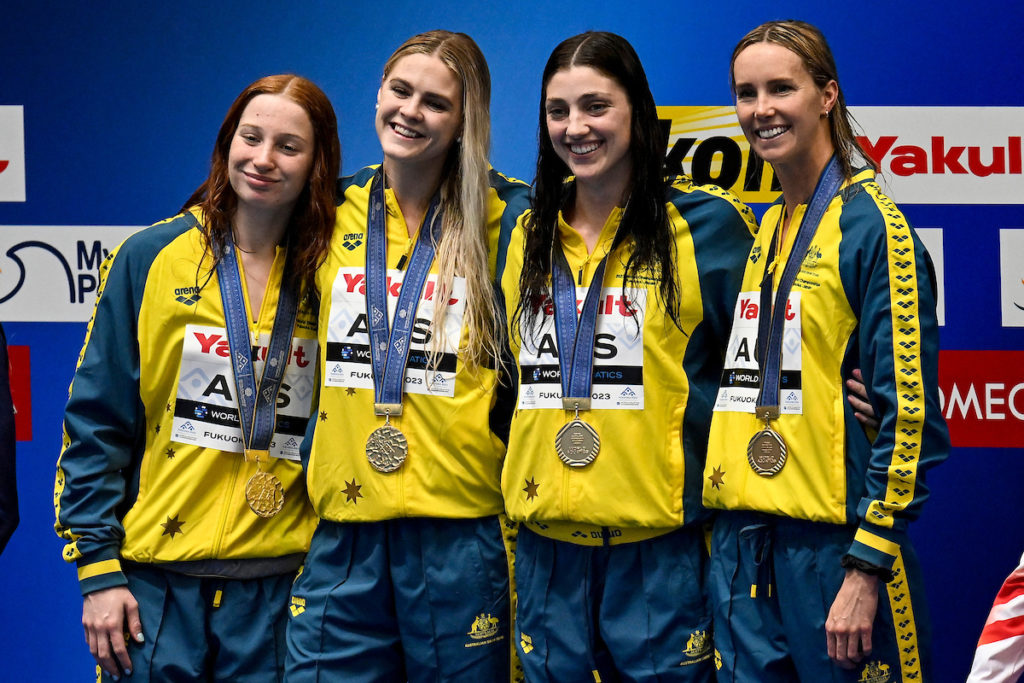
(257, 404)
(772, 314)
(389, 346)
(575, 336)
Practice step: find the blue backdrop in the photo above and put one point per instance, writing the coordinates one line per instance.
(122, 102)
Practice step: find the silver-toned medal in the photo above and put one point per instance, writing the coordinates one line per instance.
(577, 443)
(766, 452)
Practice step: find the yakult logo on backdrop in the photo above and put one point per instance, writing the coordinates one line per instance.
(982, 397)
(12, 154)
(1011, 268)
(935, 155)
(928, 155)
(50, 274)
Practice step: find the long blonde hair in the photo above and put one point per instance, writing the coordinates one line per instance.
(463, 248)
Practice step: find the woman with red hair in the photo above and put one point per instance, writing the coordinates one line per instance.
(178, 488)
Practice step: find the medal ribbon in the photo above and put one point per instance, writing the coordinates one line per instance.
(257, 404)
(575, 337)
(389, 348)
(770, 327)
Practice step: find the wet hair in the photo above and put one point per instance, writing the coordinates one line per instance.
(644, 228)
(809, 44)
(312, 219)
(465, 185)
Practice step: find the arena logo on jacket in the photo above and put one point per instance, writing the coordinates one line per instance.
(618, 370)
(206, 412)
(927, 154)
(12, 153)
(348, 362)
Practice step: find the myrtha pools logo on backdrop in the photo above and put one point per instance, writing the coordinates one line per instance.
(1011, 269)
(12, 154)
(50, 274)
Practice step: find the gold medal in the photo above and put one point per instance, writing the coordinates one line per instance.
(577, 443)
(386, 448)
(265, 494)
(766, 452)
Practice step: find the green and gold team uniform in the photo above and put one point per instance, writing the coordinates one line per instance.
(150, 487)
(863, 298)
(408, 575)
(601, 545)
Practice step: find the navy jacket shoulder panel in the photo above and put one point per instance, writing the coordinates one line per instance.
(359, 179)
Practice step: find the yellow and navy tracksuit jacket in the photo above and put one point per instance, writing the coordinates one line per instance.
(142, 475)
(653, 386)
(454, 457)
(866, 297)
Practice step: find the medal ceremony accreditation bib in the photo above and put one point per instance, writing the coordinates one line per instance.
(653, 383)
(453, 459)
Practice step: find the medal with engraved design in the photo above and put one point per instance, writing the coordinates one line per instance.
(766, 451)
(257, 400)
(387, 447)
(263, 491)
(577, 443)
(265, 494)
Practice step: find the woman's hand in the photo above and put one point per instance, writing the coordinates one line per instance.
(848, 627)
(105, 616)
(858, 398)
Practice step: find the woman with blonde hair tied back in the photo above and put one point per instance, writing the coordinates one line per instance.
(813, 576)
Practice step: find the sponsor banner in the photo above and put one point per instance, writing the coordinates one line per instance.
(982, 397)
(707, 143)
(1011, 269)
(928, 155)
(21, 390)
(932, 238)
(12, 153)
(50, 273)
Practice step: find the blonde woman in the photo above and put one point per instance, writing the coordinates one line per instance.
(408, 575)
(813, 576)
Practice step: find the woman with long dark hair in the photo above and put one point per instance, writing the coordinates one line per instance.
(813, 576)
(619, 286)
(178, 489)
(407, 576)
